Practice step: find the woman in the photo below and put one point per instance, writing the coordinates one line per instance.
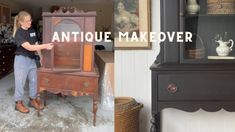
(24, 64)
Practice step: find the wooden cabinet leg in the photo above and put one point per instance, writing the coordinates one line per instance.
(38, 110)
(45, 98)
(95, 107)
(155, 121)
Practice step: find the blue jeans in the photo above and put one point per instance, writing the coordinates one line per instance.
(25, 67)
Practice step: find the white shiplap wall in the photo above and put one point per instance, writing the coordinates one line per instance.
(132, 74)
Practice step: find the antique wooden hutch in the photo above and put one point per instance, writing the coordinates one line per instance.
(69, 67)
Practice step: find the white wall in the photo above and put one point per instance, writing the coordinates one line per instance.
(132, 74)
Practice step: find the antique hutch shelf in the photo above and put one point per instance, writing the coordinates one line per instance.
(183, 76)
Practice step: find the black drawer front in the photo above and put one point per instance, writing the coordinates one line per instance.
(196, 86)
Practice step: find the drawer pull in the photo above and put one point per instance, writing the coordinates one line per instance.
(46, 81)
(172, 88)
(86, 84)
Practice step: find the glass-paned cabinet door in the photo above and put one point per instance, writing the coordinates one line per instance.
(212, 23)
(67, 54)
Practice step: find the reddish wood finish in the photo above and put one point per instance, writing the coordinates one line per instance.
(65, 83)
(68, 69)
(75, 84)
(73, 54)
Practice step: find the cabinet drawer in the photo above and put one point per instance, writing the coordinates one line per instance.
(195, 86)
(7, 63)
(10, 50)
(3, 57)
(68, 83)
(8, 53)
(83, 84)
(7, 58)
(51, 81)
(5, 70)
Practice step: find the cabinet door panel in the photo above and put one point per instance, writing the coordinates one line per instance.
(67, 55)
(170, 23)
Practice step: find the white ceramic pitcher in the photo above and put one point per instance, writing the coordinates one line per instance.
(224, 49)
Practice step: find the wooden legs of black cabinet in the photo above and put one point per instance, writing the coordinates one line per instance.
(155, 121)
(95, 107)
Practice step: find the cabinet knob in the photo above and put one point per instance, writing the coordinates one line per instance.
(3, 62)
(46, 81)
(86, 84)
(172, 88)
(3, 56)
(3, 69)
(9, 49)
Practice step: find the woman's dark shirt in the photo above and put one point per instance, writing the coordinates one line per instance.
(23, 36)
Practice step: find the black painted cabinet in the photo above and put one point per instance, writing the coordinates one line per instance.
(197, 74)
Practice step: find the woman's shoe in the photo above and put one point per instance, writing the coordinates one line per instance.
(19, 106)
(36, 104)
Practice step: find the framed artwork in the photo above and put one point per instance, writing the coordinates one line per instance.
(132, 24)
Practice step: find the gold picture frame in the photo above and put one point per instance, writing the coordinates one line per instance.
(131, 19)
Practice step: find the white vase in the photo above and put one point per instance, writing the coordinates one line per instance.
(192, 7)
(223, 49)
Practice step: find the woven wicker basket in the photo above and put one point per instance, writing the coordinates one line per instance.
(197, 53)
(127, 114)
(221, 6)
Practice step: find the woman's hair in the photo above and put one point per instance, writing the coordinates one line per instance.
(20, 17)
